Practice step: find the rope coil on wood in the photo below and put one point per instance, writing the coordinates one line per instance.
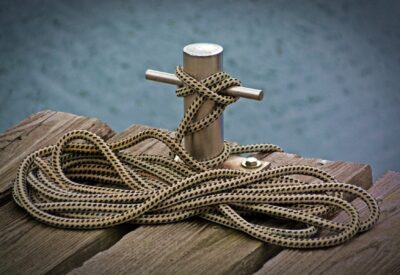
(83, 182)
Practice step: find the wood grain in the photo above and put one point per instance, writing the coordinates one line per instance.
(374, 252)
(193, 246)
(148, 146)
(31, 247)
(26, 245)
(39, 130)
(200, 247)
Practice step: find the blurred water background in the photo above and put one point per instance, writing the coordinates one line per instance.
(330, 69)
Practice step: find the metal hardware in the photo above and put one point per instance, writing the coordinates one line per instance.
(201, 60)
(251, 163)
(239, 91)
(236, 162)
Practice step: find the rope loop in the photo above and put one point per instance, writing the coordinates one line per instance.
(84, 182)
(206, 89)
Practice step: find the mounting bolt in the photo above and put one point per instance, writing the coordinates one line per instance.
(251, 163)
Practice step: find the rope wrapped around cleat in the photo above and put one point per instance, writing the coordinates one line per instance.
(83, 182)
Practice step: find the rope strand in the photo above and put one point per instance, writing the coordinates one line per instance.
(83, 182)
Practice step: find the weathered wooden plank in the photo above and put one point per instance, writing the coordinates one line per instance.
(31, 247)
(39, 130)
(352, 173)
(149, 146)
(197, 246)
(375, 252)
(28, 246)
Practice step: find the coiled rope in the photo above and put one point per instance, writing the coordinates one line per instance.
(83, 182)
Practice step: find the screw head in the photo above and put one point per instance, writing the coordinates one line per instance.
(251, 163)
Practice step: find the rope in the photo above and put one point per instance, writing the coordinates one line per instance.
(83, 182)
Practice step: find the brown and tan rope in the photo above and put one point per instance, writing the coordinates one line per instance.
(83, 182)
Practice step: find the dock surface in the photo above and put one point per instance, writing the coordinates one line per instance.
(194, 246)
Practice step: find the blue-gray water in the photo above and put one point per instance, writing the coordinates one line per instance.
(331, 69)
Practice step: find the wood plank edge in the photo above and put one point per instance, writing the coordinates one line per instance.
(256, 258)
(5, 193)
(77, 259)
(260, 256)
(382, 182)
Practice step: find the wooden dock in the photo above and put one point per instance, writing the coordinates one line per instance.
(191, 247)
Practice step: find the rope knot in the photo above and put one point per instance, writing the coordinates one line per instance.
(206, 89)
(209, 87)
(84, 182)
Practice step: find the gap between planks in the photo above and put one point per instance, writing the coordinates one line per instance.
(42, 249)
(373, 252)
(27, 245)
(197, 246)
(37, 131)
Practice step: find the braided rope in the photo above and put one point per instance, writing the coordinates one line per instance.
(83, 182)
